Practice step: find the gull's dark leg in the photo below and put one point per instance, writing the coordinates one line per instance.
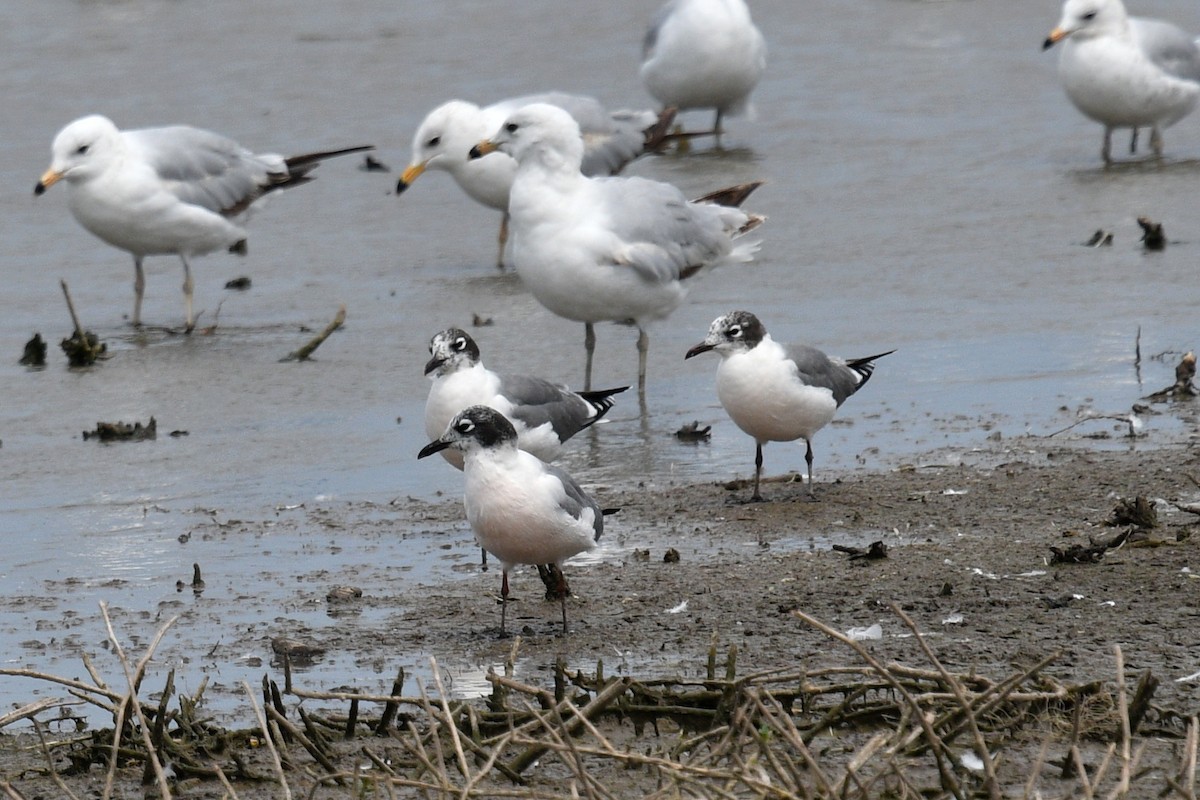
(808, 458)
(1133, 142)
(1106, 149)
(562, 596)
(758, 462)
(482, 560)
(503, 599)
(1156, 143)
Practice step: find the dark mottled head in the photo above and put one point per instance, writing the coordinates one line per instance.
(476, 427)
(730, 333)
(451, 350)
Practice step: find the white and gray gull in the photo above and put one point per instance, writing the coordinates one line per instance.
(1125, 72)
(776, 392)
(703, 54)
(607, 249)
(544, 414)
(522, 510)
(174, 190)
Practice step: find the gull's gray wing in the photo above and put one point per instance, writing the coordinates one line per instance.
(576, 500)
(664, 236)
(1169, 47)
(537, 401)
(205, 168)
(817, 369)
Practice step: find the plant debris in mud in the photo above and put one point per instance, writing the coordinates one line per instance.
(123, 432)
(34, 354)
(859, 731)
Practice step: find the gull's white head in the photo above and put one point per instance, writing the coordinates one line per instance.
(80, 151)
(444, 139)
(1088, 18)
(538, 131)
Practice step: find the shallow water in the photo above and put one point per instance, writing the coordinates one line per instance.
(929, 189)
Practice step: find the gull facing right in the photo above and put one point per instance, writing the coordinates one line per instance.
(606, 249)
(777, 392)
(523, 510)
(1125, 72)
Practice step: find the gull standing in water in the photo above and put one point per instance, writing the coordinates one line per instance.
(703, 54)
(523, 510)
(776, 392)
(606, 249)
(611, 140)
(175, 190)
(1125, 72)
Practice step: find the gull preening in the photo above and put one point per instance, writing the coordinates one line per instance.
(522, 510)
(175, 190)
(446, 135)
(703, 54)
(607, 249)
(776, 392)
(1125, 72)
(544, 414)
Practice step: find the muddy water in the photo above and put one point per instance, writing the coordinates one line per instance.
(929, 189)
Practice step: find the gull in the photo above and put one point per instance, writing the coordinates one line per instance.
(612, 139)
(174, 190)
(523, 510)
(703, 54)
(1125, 72)
(777, 392)
(607, 249)
(544, 414)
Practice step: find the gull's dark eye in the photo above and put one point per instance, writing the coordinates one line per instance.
(1088, 17)
(511, 127)
(460, 344)
(465, 426)
(81, 150)
(434, 142)
(735, 331)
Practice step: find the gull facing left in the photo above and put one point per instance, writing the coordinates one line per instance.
(1125, 72)
(606, 249)
(544, 414)
(523, 510)
(777, 392)
(174, 190)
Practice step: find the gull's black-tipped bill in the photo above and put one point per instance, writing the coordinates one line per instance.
(703, 347)
(433, 447)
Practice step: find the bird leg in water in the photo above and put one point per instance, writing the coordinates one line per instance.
(502, 237)
(189, 287)
(139, 289)
(643, 348)
(589, 346)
